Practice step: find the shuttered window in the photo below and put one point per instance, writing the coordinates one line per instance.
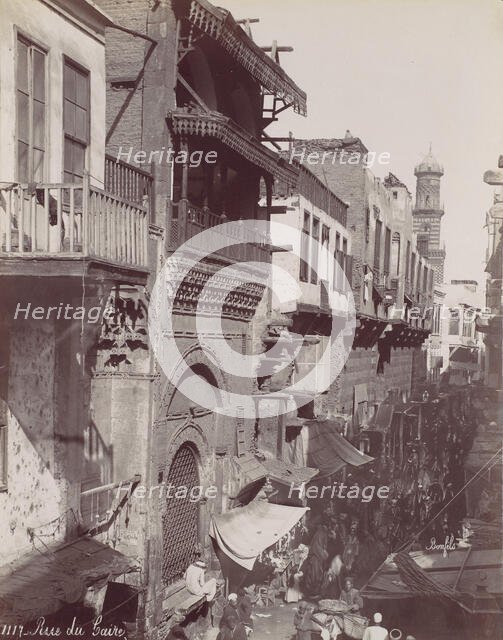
(30, 111)
(387, 251)
(315, 238)
(304, 248)
(75, 120)
(377, 247)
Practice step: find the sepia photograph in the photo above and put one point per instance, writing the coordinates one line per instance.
(251, 319)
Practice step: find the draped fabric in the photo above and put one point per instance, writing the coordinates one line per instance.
(243, 533)
(328, 451)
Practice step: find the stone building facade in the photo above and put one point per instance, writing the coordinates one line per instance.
(392, 282)
(89, 450)
(65, 252)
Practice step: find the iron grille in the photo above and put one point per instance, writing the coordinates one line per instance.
(180, 521)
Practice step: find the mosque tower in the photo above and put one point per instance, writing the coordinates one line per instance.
(428, 212)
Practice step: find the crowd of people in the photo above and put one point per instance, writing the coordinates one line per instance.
(236, 622)
(332, 556)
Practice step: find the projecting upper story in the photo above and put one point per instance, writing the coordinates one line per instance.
(390, 277)
(200, 85)
(309, 228)
(52, 179)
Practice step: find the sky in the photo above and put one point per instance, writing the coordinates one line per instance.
(401, 74)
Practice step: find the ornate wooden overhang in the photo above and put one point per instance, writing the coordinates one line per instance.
(368, 331)
(216, 125)
(400, 334)
(232, 300)
(219, 24)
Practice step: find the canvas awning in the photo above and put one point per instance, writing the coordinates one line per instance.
(289, 474)
(328, 451)
(41, 583)
(458, 574)
(243, 533)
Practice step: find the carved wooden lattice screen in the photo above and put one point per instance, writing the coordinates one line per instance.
(181, 518)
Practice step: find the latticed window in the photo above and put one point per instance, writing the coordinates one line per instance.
(180, 522)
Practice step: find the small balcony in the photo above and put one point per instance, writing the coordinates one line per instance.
(70, 223)
(187, 220)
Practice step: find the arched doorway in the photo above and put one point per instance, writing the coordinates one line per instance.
(180, 521)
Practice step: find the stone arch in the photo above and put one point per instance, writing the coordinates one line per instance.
(184, 443)
(197, 360)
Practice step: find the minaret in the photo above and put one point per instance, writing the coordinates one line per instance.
(428, 213)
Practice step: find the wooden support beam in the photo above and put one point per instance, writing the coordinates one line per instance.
(193, 93)
(246, 22)
(266, 138)
(275, 50)
(278, 49)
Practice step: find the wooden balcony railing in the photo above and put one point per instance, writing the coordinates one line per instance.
(128, 182)
(72, 220)
(187, 220)
(100, 506)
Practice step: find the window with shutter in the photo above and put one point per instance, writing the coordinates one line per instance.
(315, 237)
(377, 247)
(304, 248)
(387, 251)
(30, 111)
(75, 121)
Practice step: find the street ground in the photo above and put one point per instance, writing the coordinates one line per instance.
(276, 623)
(270, 623)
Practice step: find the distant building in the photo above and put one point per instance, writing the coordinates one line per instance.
(392, 283)
(461, 344)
